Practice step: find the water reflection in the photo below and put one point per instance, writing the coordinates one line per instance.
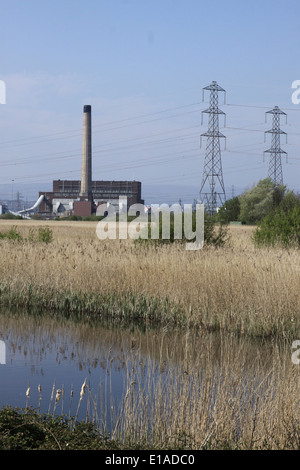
(43, 352)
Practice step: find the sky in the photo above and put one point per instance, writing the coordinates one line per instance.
(142, 65)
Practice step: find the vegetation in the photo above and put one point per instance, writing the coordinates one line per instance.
(11, 234)
(280, 227)
(9, 216)
(230, 211)
(256, 203)
(29, 430)
(226, 394)
(235, 400)
(41, 235)
(214, 234)
(275, 211)
(236, 287)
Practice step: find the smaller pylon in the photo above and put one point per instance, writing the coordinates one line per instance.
(275, 165)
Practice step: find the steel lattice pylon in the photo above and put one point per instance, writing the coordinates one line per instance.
(275, 166)
(212, 191)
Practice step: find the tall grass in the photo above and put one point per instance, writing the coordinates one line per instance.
(237, 288)
(204, 396)
(233, 404)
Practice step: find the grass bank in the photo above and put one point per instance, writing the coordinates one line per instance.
(29, 430)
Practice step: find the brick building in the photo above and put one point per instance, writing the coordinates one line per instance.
(65, 194)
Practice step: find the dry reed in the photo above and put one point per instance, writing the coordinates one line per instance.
(239, 288)
(225, 394)
(193, 390)
(229, 400)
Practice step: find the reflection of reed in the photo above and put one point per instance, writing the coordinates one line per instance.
(235, 400)
(51, 397)
(40, 397)
(87, 347)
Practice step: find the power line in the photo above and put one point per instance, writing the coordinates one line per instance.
(78, 132)
(137, 142)
(258, 106)
(20, 142)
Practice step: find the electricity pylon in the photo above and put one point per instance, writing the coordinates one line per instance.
(212, 191)
(275, 166)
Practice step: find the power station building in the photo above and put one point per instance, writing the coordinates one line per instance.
(65, 196)
(84, 197)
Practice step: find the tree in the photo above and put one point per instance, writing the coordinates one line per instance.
(289, 201)
(278, 195)
(230, 211)
(259, 201)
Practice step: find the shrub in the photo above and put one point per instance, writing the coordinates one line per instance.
(12, 234)
(45, 235)
(215, 235)
(280, 227)
(28, 430)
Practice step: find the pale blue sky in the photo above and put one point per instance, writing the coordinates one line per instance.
(142, 65)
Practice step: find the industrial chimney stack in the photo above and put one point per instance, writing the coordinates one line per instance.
(86, 166)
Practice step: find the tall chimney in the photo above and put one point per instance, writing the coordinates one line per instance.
(86, 165)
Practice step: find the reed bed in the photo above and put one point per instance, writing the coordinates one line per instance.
(230, 405)
(237, 288)
(225, 394)
(178, 391)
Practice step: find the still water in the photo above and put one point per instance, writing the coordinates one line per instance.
(43, 352)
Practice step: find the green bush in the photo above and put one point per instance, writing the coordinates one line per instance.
(214, 234)
(44, 235)
(279, 228)
(12, 234)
